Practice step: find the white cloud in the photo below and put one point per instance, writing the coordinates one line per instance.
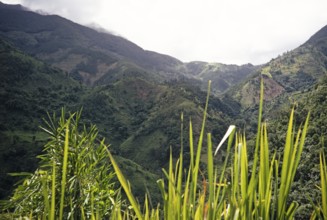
(228, 31)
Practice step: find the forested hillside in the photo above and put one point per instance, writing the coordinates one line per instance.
(137, 110)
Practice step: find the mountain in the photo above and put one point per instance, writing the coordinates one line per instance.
(48, 62)
(75, 48)
(98, 58)
(293, 72)
(223, 76)
(13, 7)
(130, 86)
(295, 79)
(28, 89)
(140, 119)
(319, 39)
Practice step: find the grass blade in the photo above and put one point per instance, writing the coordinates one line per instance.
(53, 190)
(230, 129)
(323, 176)
(64, 170)
(210, 179)
(125, 186)
(198, 154)
(253, 179)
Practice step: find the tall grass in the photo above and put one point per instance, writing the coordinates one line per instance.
(244, 188)
(320, 211)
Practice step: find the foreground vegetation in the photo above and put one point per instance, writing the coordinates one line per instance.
(75, 180)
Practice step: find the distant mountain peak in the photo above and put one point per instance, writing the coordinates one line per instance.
(13, 6)
(320, 35)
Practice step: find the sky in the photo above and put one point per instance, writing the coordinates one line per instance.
(224, 31)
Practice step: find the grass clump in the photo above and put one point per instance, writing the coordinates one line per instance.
(75, 179)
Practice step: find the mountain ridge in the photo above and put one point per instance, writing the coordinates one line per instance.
(294, 71)
(84, 52)
(131, 111)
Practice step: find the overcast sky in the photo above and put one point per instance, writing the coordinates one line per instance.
(226, 31)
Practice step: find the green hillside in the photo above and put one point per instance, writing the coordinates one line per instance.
(293, 72)
(29, 88)
(131, 88)
(132, 113)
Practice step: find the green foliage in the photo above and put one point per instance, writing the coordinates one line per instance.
(320, 211)
(74, 179)
(307, 176)
(292, 153)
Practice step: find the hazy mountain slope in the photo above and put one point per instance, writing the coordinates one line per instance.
(288, 79)
(91, 56)
(319, 39)
(130, 95)
(75, 48)
(293, 72)
(222, 76)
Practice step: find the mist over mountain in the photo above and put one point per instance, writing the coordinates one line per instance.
(89, 55)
